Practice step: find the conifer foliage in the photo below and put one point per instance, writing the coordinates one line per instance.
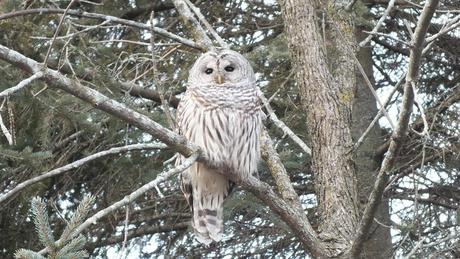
(69, 245)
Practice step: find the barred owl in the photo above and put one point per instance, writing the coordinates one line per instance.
(220, 112)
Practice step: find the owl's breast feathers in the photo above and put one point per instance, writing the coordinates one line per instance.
(225, 122)
(238, 98)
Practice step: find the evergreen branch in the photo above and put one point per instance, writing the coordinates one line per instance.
(103, 17)
(75, 255)
(77, 164)
(74, 246)
(78, 217)
(131, 197)
(27, 254)
(401, 128)
(21, 84)
(41, 222)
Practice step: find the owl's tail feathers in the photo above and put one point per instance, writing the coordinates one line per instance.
(208, 221)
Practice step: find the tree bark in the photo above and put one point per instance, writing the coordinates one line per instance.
(378, 244)
(326, 79)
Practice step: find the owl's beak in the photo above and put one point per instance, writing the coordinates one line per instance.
(219, 79)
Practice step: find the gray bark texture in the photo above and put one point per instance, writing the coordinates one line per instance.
(326, 78)
(378, 244)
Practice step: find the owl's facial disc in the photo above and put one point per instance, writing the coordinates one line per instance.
(227, 70)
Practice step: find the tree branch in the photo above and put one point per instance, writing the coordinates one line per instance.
(281, 125)
(100, 101)
(103, 17)
(379, 113)
(137, 232)
(401, 127)
(379, 23)
(206, 24)
(5, 131)
(131, 197)
(278, 171)
(21, 84)
(77, 164)
(192, 24)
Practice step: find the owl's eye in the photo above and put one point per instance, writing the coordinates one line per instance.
(208, 71)
(229, 68)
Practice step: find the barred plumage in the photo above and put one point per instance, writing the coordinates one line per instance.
(219, 112)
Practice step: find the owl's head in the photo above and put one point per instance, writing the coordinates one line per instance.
(225, 67)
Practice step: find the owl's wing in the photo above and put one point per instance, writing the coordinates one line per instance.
(186, 187)
(184, 177)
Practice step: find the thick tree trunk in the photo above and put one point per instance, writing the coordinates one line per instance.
(326, 79)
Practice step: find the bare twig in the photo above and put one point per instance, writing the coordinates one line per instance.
(281, 124)
(156, 78)
(449, 26)
(123, 41)
(57, 32)
(21, 84)
(371, 87)
(453, 236)
(401, 128)
(417, 102)
(387, 36)
(77, 164)
(148, 93)
(71, 35)
(145, 229)
(125, 235)
(380, 113)
(379, 24)
(133, 196)
(104, 17)
(415, 249)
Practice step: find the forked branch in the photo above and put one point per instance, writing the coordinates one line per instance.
(401, 126)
